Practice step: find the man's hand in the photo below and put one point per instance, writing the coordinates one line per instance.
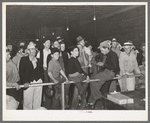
(67, 81)
(55, 82)
(17, 86)
(26, 85)
(100, 64)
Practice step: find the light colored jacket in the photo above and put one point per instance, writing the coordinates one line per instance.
(128, 63)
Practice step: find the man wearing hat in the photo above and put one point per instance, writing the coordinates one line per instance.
(115, 47)
(111, 67)
(30, 72)
(42, 55)
(128, 66)
(59, 39)
(83, 56)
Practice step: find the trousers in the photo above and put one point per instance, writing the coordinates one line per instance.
(32, 97)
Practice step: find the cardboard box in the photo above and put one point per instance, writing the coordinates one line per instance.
(120, 98)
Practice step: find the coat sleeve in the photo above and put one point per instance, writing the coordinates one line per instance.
(22, 74)
(121, 64)
(114, 65)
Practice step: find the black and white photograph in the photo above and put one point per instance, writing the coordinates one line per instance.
(75, 61)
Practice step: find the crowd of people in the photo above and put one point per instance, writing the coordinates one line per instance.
(31, 65)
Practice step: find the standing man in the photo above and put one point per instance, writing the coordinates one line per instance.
(111, 67)
(42, 55)
(83, 58)
(12, 79)
(128, 66)
(115, 47)
(30, 72)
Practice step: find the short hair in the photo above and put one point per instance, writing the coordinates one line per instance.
(62, 42)
(54, 50)
(72, 48)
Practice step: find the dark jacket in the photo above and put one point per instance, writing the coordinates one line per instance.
(65, 58)
(27, 72)
(112, 62)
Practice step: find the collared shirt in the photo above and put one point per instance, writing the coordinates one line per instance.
(55, 68)
(45, 54)
(16, 60)
(34, 62)
(128, 63)
(12, 74)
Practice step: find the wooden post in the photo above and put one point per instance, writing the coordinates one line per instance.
(63, 96)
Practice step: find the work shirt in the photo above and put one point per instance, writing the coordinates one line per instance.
(74, 66)
(55, 68)
(128, 63)
(12, 74)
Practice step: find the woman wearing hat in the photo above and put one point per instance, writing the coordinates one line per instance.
(30, 72)
(128, 66)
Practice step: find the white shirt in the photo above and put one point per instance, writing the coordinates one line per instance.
(45, 54)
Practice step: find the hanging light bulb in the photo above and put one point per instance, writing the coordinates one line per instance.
(94, 18)
(94, 14)
(67, 23)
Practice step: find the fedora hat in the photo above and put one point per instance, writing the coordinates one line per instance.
(59, 38)
(79, 38)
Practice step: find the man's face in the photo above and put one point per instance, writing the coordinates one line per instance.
(75, 52)
(32, 52)
(9, 47)
(114, 44)
(56, 55)
(127, 49)
(56, 44)
(104, 50)
(62, 46)
(47, 44)
(8, 56)
(143, 48)
(82, 43)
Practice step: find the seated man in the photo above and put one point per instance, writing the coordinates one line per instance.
(111, 67)
(12, 79)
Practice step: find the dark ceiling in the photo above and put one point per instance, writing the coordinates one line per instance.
(25, 19)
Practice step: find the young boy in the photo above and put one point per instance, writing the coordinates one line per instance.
(76, 74)
(56, 73)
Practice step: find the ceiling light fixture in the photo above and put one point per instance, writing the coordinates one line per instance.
(94, 14)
